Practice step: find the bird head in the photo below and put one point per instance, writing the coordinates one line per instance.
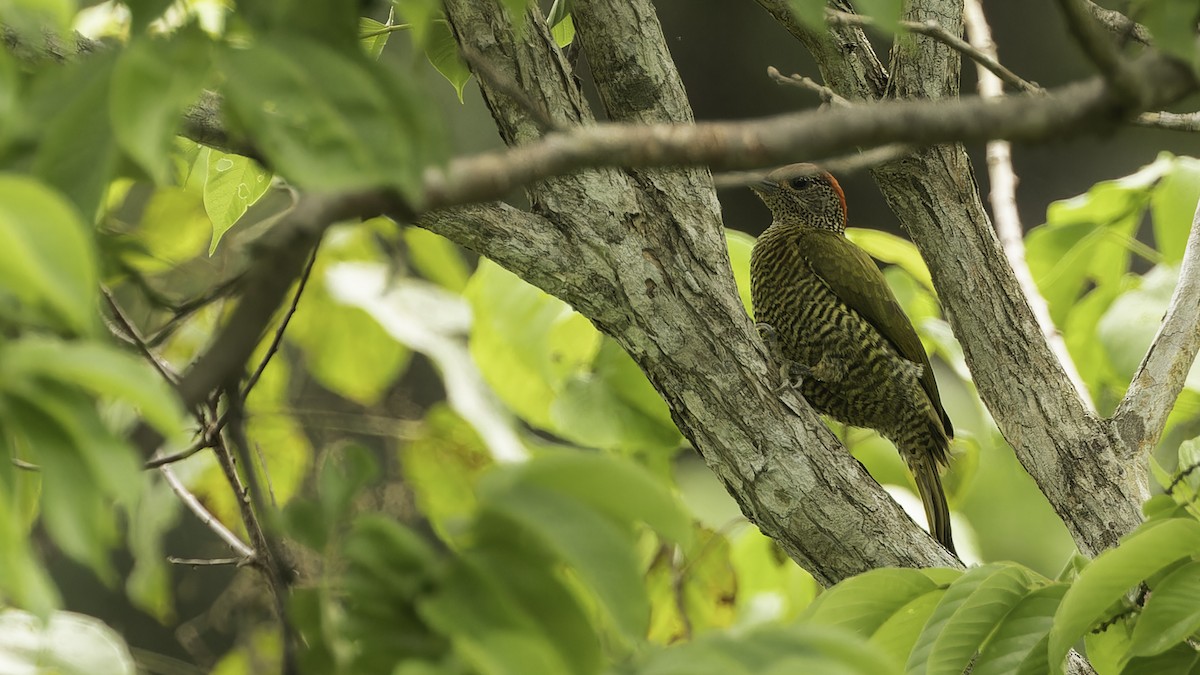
(803, 194)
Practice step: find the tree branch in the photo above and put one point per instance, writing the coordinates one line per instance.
(983, 59)
(1142, 414)
(1003, 198)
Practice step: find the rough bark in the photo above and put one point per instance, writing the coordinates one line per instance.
(1070, 453)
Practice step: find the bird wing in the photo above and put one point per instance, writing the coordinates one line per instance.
(855, 279)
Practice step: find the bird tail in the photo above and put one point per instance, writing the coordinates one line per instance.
(937, 512)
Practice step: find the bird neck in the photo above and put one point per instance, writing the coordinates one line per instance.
(833, 220)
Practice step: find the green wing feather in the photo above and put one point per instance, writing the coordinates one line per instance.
(854, 277)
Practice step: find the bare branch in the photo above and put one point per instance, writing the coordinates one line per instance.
(1003, 198)
(796, 80)
(934, 30)
(1142, 414)
(1117, 23)
(1066, 111)
(210, 521)
(1168, 120)
(1100, 48)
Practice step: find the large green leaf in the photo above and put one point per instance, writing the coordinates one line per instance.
(78, 150)
(772, 650)
(442, 466)
(489, 630)
(554, 369)
(1171, 614)
(1022, 635)
(599, 550)
(966, 615)
(99, 369)
(328, 120)
(1173, 206)
(1102, 583)
(865, 602)
(1173, 24)
(612, 485)
(1089, 238)
(232, 184)
(897, 636)
(892, 249)
(442, 51)
(153, 81)
(46, 255)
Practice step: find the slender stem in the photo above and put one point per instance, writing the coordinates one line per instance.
(189, 500)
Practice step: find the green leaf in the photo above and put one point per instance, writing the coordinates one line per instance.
(1180, 660)
(1108, 650)
(535, 585)
(892, 249)
(1146, 551)
(612, 485)
(772, 650)
(966, 615)
(24, 581)
(526, 343)
(740, 245)
(153, 81)
(328, 120)
(1022, 634)
(343, 347)
(374, 36)
(173, 229)
(490, 632)
(897, 636)
(1089, 237)
(100, 369)
(599, 551)
(1171, 614)
(156, 513)
(442, 51)
(437, 259)
(442, 466)
(562, 25)
(810, 12)
(1173, 205)
(46, 255)
(865, 602)
(1131, 322)
(69, 644)
(693, 594)
(144, 12)
(232, 184)
(78, 150)
(74, 510)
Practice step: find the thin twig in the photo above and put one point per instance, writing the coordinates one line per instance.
(206, 562)
(1003, 198)
(840, 166)
(1102, 51)
(1118, 24)
(1142, 414)
(796, 80)
(507, 86)
(283, 324)
(937, 32)
(203, 514)
(180, 313)
(260, 519)
(1169, 120)
(133, 336)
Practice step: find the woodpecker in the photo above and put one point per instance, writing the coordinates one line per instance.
(831, 321)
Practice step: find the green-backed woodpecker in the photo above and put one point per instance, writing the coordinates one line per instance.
(829, 317)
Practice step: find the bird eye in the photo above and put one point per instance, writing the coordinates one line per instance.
(801, 182)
